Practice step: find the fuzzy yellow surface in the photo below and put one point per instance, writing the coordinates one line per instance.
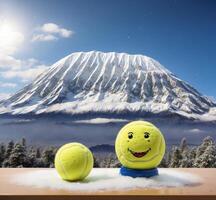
(73, 161)
(140, 145)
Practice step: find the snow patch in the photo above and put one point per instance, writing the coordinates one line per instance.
(4, 96)
(100, 121)
(105, 179)
(195, 130)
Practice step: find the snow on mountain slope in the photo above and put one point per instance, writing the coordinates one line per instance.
(4, 96)
(98, 82)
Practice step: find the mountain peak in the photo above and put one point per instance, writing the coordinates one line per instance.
(122, 59)
(102, 83)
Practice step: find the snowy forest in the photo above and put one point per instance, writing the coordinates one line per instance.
(20, 154)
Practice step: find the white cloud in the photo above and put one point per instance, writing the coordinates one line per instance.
(51, 32)
(24, 74)
(43, 37)
(8, 85)
(54, 28)
(50, 28)
(66, 33)
(30, 62)
(7, 61)
(24, 70)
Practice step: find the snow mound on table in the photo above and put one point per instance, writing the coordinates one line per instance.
(105, 179)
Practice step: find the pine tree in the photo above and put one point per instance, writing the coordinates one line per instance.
(115, 164)
(183, 145)
(39, 160)
(192, 153)
(206, 142)
(176, 158)
(18, 156)
(110, 161)
(31, 158)
(96, 163)
(169, 158)
(38, 153)
(48, 157)
(23, 142)
(163, 163)
(9, 149)
(208, 157)
(185, 161)
(2, 154)
(188, 158)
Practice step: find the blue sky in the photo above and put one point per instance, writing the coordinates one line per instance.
(180, 34)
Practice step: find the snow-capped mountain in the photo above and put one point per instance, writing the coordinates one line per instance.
(113, 83)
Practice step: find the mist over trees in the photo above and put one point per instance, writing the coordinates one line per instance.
(19, 154)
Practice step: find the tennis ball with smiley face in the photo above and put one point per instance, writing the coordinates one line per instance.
(140, 145)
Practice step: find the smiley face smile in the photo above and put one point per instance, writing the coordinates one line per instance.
(139, 154)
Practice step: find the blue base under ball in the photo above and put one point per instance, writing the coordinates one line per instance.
(147, 173)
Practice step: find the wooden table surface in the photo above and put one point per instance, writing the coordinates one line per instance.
(205, 190)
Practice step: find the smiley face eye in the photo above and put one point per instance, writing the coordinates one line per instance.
(146, 135)
(130, 135)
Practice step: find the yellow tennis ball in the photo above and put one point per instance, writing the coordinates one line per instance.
(140, 145)
(73, 161)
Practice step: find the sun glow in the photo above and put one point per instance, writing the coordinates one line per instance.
(10, 36)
